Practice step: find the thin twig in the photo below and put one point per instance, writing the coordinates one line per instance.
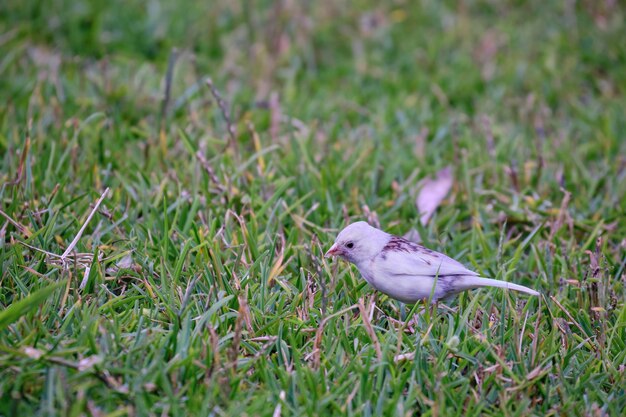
(370, 329)
(168, 85)
(536, 334)
(567, 313)
(215, 348)
(50, 254)
(210, 171)
(89, 364)
(82, 229)
(20, 168)
(319, 333)
(234, 348)
(23, 229)
(224, 109)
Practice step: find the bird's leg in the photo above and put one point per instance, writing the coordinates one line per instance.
(402, 324)
(435, 307)
(420, 310)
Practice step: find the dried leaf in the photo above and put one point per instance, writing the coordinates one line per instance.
(33, 353)
(537, 372)
(125, 262)
(89, 362)
(404, 357)
(432, 193)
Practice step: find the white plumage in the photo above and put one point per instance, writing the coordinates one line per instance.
(405, 270)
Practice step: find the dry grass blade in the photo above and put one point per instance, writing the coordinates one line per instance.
(537, 372)
(279, 264)
(102, 374)
(432, 193)
(215, 348)
(370, 330)
(561, 216)
(169, 75)
(20, 168)
(82, 259)
(210, 171)
(82, 229)
(316, 354)
(234, 348)
(568, 314)
(225, 113)
(23, 229)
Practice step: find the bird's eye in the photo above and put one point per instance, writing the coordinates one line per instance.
(349, 245)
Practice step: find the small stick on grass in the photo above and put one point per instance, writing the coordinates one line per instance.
(25, 150)
(23, 229)
(168, 85)
(166, 99)
(210, 171)
(215, 348)
(82, 229)
(567, 313)
(82, 259)
(234, 348)
(370, 329)
(319, 333)
(229, 124)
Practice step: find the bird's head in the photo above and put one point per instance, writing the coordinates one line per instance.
(358, 242)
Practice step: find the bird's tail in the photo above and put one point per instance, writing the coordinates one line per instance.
(469, 282)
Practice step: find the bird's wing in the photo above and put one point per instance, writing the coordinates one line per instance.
(401, 257)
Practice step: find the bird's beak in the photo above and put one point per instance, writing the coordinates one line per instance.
(333, 251)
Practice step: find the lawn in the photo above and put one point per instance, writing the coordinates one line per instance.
(237, 138)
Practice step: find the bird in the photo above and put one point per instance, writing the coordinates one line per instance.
(406, 271)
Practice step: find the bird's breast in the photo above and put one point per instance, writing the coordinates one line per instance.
(404, 287)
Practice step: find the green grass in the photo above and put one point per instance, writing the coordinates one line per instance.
(209, 294)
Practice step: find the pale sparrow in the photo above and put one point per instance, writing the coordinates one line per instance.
(405, 270)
